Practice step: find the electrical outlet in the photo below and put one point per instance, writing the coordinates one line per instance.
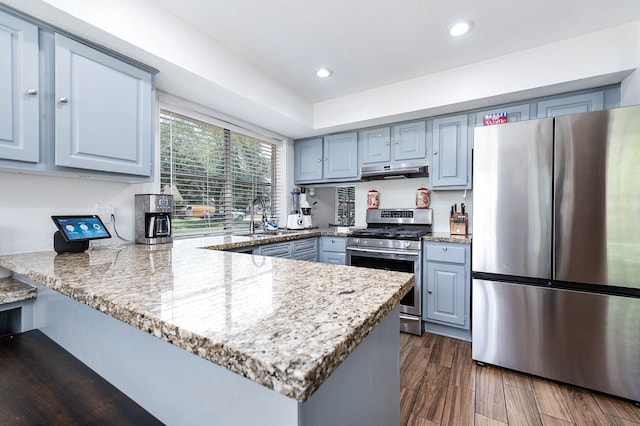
(104, 210)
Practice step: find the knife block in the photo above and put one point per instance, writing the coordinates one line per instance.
(458, 224)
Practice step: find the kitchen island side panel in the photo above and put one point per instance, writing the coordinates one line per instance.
(181, 388)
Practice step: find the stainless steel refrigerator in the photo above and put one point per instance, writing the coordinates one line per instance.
(556, 249)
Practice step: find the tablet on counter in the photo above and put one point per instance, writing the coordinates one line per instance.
(81, 228)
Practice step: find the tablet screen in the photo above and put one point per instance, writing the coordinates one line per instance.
(81, 228)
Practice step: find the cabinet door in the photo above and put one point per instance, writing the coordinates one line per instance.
(103, 111)
(333, 258)
(375, 145)
(19, 98)
(341, 156)
(446, 293)
(571, 105)
(409, 141)
(275, 250)
(308, 160)
(514, 113)
(450, 157)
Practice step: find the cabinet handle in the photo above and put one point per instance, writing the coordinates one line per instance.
(387, 143)
(397, 142)
(435, 152)
(429, 291)
(63, 100)
(319, 160)
(333, 241)
(444, 249)
(32, 92)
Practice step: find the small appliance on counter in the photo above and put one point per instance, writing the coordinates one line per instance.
(305, 208)
(153, 218)
(75, 232)
(295, 221)
(295, 218)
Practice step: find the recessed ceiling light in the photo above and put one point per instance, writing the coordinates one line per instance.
(461, 28)
(324, 72)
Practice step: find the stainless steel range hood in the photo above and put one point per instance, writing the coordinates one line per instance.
(395, 171)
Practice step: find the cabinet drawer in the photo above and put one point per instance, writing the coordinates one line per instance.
(453, 253)
(335, 244)
(309, 244)
(276, 250)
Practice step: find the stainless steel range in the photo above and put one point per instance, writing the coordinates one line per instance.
(392, 241)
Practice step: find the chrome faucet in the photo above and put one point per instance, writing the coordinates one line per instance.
(252, 224)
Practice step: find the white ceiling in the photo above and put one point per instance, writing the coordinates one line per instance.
(372, 43)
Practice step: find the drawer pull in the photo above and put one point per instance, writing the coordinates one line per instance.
(32, 92)
(444, 249)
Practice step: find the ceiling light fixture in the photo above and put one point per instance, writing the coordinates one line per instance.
(461, 28)
(324, 72)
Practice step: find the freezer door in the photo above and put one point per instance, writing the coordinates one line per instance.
(597, 198)
(589, 340)
(512, 167)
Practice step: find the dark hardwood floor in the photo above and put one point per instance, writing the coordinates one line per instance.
(42, 384)
(441, 385)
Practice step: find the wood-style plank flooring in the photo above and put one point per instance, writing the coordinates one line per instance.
(441, 385)
(42, 384)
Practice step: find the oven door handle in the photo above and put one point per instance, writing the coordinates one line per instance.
(383, 252)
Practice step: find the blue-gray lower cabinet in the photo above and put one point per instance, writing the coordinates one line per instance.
(103, 111)
(304, 249)
(447, 289)
(19, 90)
(333, 250)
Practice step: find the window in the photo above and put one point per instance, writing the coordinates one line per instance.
(214, 174)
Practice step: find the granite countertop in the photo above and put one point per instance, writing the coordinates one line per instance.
(15, 291)
(282, 323)
(445, 237)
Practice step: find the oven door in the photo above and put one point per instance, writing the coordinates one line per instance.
(391, 260)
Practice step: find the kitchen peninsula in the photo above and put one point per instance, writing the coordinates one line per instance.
(201, 336)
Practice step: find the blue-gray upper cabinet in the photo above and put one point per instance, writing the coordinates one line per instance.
(585, 102)
(333, 158)
(514, 113)
(397, 143)
(103, 111)
(450, 164)
(19, 90)
(375, 145)
(308, 160)
(341, 157)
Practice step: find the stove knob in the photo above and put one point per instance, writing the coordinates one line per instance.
(407, 244)
(356, 241)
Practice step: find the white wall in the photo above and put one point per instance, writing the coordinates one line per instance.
(28, 201)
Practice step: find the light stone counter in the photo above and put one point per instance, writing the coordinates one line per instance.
(445, 237)
(284, 324)
(15, 291)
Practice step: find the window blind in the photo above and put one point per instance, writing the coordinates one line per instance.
(214, 175)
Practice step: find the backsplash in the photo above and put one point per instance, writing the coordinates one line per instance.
(401, 193)
(394, 193)
(30, 200)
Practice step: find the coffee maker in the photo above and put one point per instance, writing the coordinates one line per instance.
(153, 218)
